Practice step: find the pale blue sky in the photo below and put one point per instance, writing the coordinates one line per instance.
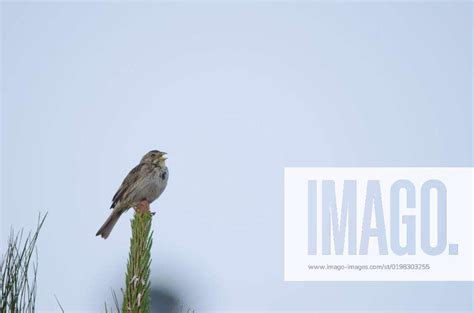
(234, 93)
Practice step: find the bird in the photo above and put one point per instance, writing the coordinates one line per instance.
(143, 185)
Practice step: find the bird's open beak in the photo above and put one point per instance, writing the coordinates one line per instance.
(163, 156)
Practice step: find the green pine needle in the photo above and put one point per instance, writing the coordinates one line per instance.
(18, 272)
(137, 279)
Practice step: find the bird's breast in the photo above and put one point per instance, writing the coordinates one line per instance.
(157, 184)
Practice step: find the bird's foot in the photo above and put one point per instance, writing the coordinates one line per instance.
(143, 207)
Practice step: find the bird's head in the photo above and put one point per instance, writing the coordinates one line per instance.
(154, 157)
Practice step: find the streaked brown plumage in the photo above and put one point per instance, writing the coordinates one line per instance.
(144, 184)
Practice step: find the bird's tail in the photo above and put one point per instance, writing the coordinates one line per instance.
(106, 229)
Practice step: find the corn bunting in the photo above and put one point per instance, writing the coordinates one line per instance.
(143, 185)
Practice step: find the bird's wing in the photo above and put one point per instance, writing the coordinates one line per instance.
(128, 184)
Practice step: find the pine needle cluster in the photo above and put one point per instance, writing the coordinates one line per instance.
(137, 281)
(18, 272)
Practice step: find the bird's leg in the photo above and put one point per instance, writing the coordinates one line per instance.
(142, 207)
